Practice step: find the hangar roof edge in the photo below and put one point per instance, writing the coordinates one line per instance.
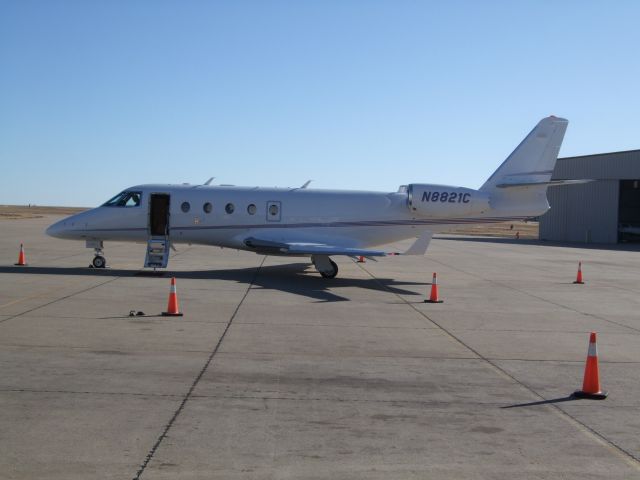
(599, 154)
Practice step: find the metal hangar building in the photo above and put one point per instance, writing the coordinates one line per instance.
(606, 210)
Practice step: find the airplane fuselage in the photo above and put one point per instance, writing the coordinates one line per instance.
(318, 223)
(226, 216)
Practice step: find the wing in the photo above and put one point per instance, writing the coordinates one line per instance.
(305, 248)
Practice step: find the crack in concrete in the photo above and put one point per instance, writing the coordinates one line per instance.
(189, 393)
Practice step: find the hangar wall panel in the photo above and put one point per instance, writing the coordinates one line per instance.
(585, 213)
(588, 213)
(605, 166)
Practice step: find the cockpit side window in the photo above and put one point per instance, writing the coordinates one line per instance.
(133, 200)
(125, 199)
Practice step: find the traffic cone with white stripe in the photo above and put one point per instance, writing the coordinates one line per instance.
(591, 382)
(22, 261)
(172, 309)
(579, 276)
(433, 297)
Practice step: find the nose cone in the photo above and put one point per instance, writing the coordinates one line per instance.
(74, 227)
(57, 229)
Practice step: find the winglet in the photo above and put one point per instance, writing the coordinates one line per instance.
(306, 184)
(208, 182)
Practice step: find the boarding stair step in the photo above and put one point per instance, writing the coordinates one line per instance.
(157, 252)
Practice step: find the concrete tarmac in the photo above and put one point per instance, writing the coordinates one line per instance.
(275, 373)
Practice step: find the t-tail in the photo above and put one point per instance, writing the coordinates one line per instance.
(517, 189)
(519, 186)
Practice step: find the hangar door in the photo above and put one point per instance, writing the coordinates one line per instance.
(629, 211)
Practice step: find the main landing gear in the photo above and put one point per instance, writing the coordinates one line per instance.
(325, 266)
(98, 260)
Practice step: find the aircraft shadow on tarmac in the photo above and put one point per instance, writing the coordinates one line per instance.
(629, 247)
(296, 278)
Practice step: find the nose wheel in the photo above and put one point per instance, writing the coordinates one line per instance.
(99, 261)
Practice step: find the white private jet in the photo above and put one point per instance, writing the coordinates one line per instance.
(318, 223)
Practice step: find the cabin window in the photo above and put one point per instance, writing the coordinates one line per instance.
(251, 209)
(125, 199)
(207, 207)
(273, 210)
(185, 207)
(229, 208)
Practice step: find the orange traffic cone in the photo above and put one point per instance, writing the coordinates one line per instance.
(172, 309)
(591, 382)
(579, 276)
(361, 259)
(433, 297)
(21, 258)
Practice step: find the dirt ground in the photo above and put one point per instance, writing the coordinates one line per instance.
(525, 229)
(18, 212)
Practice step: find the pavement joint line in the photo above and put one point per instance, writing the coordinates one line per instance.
(37, 295)
(91, 349)
(64, 257)
(337, 325)
(31, 255)
(141, 318)
(558, 360)
(427, 357)
(189, 393)
(510, 287)
(90, 392)
(298, 398)
(317, 355)
(600, 438)
(513, 330)
(58, 300)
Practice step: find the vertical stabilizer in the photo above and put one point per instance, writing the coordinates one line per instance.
(519, 186)
(534, 159)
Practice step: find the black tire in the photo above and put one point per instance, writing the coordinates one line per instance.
(331, 274)
(99, 262)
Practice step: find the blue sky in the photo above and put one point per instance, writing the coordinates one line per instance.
(96, 96)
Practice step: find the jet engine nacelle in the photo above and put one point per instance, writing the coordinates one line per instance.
(445, 201)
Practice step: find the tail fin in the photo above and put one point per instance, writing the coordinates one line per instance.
(519, 186)
(533, 161)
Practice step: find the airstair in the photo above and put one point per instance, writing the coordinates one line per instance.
(157, 252)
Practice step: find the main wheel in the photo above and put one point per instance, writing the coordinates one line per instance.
(332, 273)
(99, 261)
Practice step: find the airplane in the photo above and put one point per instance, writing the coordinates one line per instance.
(318, 223)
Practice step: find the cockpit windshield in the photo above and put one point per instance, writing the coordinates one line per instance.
(125, 199)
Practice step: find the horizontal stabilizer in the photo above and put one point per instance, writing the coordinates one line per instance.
(550, 183)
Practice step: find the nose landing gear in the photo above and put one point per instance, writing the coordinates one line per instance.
(98, 260)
